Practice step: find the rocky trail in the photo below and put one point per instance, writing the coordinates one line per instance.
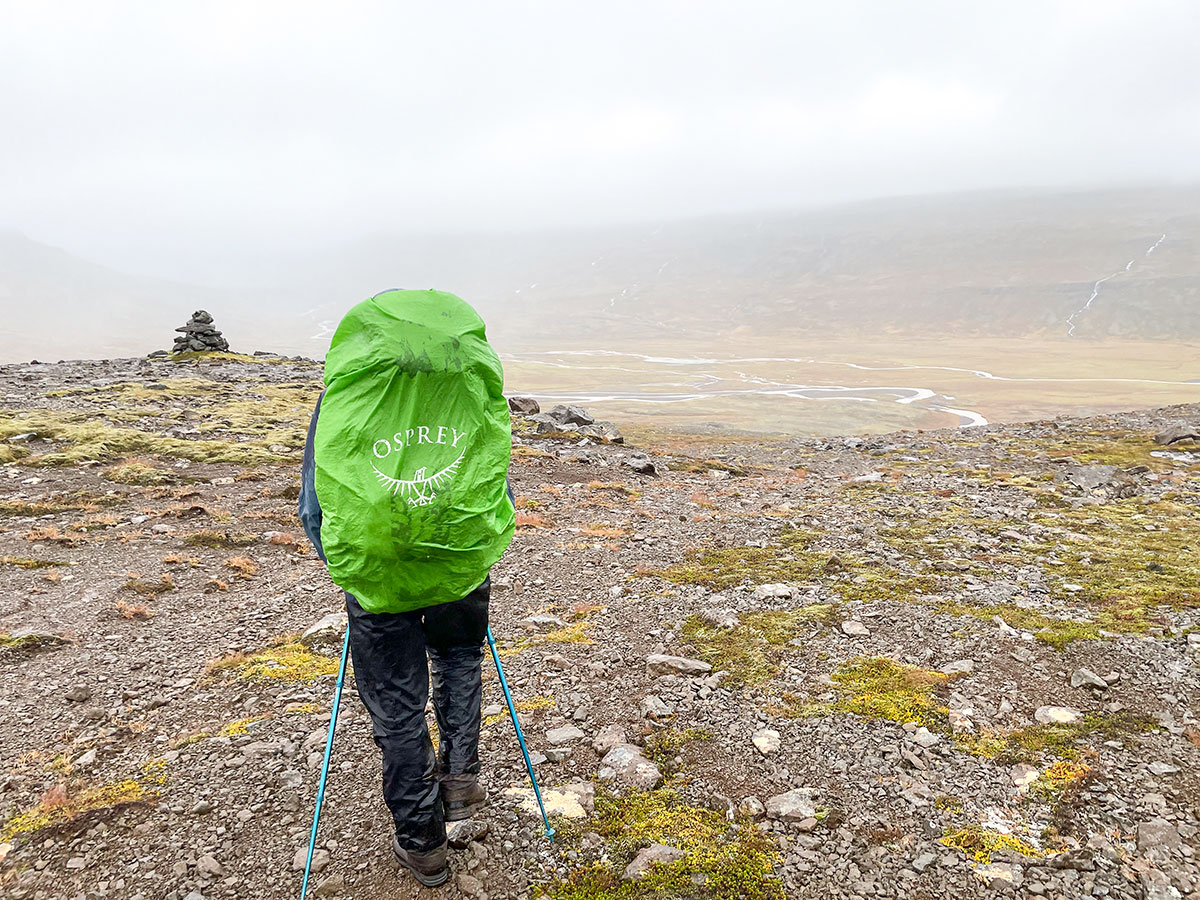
(947, 664)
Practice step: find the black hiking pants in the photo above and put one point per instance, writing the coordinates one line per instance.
(393, 677)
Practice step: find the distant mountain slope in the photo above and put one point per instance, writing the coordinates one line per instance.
(1031, 263)
(57, 305)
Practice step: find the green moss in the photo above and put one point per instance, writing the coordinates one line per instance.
(25, 562)
(1059, 779)
(221, 539)
(138, 474)
(981, 844)
(88, 438)
(751, 650)
(286, 660)
(721, 862)
(719, 568)
(1057, 633)
(880, 688)
(28, 642)
(83, 803)
(679, 464)
(1036, 742)
(663, 746)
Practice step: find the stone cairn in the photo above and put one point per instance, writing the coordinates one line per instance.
(199, 334)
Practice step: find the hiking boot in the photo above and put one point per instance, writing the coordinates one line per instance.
(428, 867)
(462, 796)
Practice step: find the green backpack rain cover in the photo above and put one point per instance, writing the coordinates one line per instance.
(412, 449)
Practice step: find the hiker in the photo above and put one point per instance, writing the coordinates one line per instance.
(404, 495)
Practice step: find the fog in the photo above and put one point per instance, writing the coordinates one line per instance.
(194, 141)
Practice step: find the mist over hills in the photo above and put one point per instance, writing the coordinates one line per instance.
(990, 264)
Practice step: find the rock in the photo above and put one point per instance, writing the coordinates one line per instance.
(1157, 837)
(607, 432)
(752, 807)
(1057, 715)
(661, 664)
(608, 737)
(1089, 478)
(923, 737)
(653, 855)
(1000, 876)
(773, 591)
(1087, 678)
(86, 760)
(461, 833)
(571, 415)
(924, 861)
(542, 622)
(208, 865)
(795, 804)
(767, 741)
(202, 807)
(855, 628)
(1023, 774)
(564, 734)
(641, 463)
(79, 694)
(655, 707)
(198, 334)
(1159, 768)
(563, 803)
(469, 885)
(492, 709)
(959, 667)
(523, 406)
(319, 862)
(627, 764)
(331, 886)
(1174, 433)
(544, 424)
(328, 630)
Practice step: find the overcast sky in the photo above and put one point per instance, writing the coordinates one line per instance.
(153, 135)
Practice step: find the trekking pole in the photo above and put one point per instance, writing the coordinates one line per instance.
(337, 700)
(512, 711)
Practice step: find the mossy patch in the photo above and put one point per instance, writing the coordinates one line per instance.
(788, 560)
(285, 660)
(88, 438)
(28, 643)
(663, 747)
(1057, 633)
(751, 650)
(138, 473)
(879, 688)
(72, 806)
(1059, 778)
(1037, 742)
(721, 862)
(226, 540)
(981, 844)
(25, 562)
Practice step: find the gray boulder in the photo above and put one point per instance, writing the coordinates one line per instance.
(626, 763)
(524, 406)
(1175, 433)
(571, 415)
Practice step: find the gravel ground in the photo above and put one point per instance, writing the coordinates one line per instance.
(957, 663)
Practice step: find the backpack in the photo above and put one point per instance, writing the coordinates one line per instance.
(412, 448)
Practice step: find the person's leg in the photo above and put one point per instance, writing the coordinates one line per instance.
(455, 633)
(392, 676)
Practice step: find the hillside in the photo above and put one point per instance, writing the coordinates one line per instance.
(1098, 265)
(949, 664)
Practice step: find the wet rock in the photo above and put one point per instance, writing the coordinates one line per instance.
(608, 737)
(326, 631)
(330, 887)
(1157, 837)
(1087, 678)
(524, 406)
(662, 664)
(795, 804)
(564, 734)
(319, 862)
(650, 856)
(641, 463)
(1057, 715)
(460, 834)
(626, 763)
(767, 740)
(1174, 433)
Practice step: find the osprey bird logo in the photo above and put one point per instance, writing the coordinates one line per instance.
(421, 489)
